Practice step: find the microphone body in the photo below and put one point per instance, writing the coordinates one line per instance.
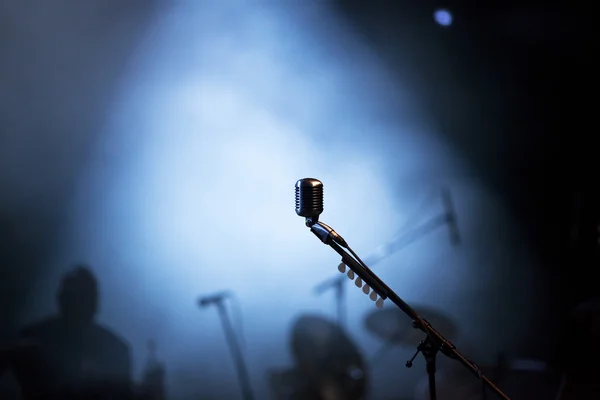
(309, 204)
(213, 299)
(309, 199)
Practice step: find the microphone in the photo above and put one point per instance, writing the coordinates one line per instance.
(215, 298)
(309, 199)
(451, 217)
(309, 204)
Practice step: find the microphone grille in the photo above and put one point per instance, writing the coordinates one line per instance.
(309, 197)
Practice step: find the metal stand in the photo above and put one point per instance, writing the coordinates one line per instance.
(434, 341)
(236, 352)
(429, 351)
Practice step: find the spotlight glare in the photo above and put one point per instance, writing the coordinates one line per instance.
(443, 17)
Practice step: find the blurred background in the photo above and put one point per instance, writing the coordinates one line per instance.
(158, 143)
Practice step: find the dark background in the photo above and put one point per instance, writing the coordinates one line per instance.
(536, 148)
(514, 97)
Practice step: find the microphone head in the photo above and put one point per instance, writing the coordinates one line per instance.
(309, 198)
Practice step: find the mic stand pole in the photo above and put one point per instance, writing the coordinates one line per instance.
(434, 341)
(236, 352)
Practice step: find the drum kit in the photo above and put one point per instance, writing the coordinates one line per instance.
(328, 364)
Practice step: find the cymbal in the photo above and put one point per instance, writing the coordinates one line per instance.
(395, 327)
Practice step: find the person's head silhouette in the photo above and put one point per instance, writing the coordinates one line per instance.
(78, 296)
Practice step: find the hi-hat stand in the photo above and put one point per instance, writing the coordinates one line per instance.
(373, 286)
(236, 351)
(389, 248)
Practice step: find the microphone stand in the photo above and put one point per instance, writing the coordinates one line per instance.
(393, 246)
(434, 341)
(236, 352)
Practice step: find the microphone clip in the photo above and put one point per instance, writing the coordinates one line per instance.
(320, 231)
(310, 221)
(326, 234)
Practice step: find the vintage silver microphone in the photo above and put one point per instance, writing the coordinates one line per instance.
(309, 204)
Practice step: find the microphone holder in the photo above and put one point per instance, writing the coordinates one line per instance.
(433, 343)
(236, 352)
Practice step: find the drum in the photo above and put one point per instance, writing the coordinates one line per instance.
(328, 364)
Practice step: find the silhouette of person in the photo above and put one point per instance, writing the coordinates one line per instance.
(75, 358)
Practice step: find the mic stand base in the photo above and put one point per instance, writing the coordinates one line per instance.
(429, 350)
